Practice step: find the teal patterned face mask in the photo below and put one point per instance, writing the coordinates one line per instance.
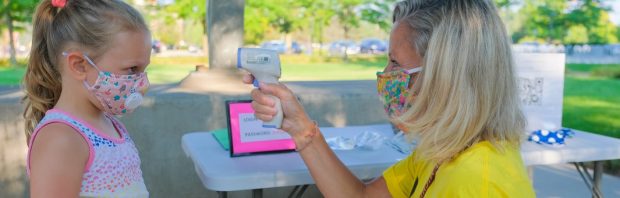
(393, 89)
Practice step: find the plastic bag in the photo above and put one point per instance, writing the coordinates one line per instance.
(400, 143)
(367, 140)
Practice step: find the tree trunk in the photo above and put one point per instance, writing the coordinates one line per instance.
(346, 47)
(205, 44)
(225, 30)
(9, 23)
(321, 40)
(205, 38)
(288, 43)
(310, 50)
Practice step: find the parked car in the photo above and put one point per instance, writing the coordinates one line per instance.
(280, 46)
(297, 48)
(373, 46)
(275, 45)
(613, 49)
(156, 46)
(339, 48)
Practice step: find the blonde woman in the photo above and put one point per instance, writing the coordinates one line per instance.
(450, 84)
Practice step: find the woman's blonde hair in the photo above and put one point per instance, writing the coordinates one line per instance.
(90, 25)
(467, 90)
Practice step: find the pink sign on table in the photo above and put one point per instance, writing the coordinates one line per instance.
(247, 134)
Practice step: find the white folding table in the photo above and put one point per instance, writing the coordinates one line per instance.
(219, 172)
(584, 147)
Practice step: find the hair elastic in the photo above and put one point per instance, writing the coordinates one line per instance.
(59, 3)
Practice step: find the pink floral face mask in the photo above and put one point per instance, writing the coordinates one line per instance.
(393, 90)
(118, 94)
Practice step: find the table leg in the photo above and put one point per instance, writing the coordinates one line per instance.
(222, 194)
(294, 192)
(298, 191)
(598, 175)
(302, 191)
(257, 193)
(592, 181)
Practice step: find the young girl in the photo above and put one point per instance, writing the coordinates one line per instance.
(86, 65)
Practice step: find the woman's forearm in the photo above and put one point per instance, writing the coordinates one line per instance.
(331, 176)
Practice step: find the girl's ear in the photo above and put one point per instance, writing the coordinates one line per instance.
(77, 66)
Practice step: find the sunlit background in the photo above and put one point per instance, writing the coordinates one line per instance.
(347, 40)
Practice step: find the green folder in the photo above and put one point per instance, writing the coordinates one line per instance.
(221, 135)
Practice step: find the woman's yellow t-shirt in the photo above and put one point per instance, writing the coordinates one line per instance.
(480, 171)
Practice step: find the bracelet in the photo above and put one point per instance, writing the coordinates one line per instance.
(308, 137)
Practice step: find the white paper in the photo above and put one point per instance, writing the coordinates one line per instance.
(541, 89)
(251, 130)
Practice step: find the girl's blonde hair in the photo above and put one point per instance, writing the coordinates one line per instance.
(467, 90)
(87, 24)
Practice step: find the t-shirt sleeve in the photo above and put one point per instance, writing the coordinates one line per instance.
(399, 178)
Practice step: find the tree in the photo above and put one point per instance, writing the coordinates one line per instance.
(502, 4)
(511, 18)
(255, 22)
(577, 34)
(594, 16)
(379, 13)
(604, 32)
(194, 11)
(550, 20)
(15, 13)
(318, 15)
(347, 15)
(618, 33)
(284, 19)
(545, 19)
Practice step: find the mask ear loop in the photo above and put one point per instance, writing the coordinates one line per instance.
(414, 70)
(65, 54)
(91, 62)
(414, 79)
(413, 90)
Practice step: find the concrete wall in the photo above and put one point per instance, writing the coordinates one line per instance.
(13, 178)
(169, 112)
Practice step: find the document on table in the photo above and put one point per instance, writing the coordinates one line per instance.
(541, 88)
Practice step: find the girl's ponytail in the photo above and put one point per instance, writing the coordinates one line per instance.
(42, 81)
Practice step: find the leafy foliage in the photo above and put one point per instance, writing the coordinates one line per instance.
(15, 14)
(587, 21)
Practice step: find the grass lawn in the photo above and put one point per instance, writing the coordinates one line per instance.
(592, 104)
(171, 70)
(304, 68)
(294, 68)
(11, 76)
(586, 67)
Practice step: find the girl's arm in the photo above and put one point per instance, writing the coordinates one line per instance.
(330, 175)
(57, 160)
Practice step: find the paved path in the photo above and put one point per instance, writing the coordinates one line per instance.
(563, 180)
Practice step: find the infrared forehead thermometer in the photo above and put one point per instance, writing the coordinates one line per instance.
(264, 65)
